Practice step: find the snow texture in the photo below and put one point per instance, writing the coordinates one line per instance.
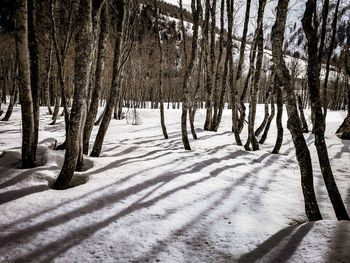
(146, 199)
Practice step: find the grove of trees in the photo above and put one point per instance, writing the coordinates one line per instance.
(76, 56)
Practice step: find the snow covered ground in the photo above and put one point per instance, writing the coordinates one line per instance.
(148, 200)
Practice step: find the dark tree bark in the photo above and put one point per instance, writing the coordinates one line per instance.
(328, 63)
(344, 129)
(13, 100)
(215, 121)
(196, 11)
(302, 115)
(61, 58)
(237, 125)
(160, 76)
(25, 93)
(302, 152)
(82, 69)
(208, 72)
(34, 69)
(260, 129)
(279, 139)
(221, 104)
(114, 85)
(48, 77)
(258, 39)
(267, 127)
(313, 70)
(97, 90)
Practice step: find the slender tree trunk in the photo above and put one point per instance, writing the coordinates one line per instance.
(313, 71)
(34, 69)
(196, 11)
(160, 76)
(218, 70)
(279, 139)
(114, 85)
(48, 77)
(13, 100)
(97, 90)
(328, 63)
(302, 115)
(260, 129)
(302, 152)
(25, 93)
(82, 69)
(267, 127)
(258, 39)
(237, 125)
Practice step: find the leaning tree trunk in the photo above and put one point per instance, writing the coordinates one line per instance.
(237, 124)
(258, 39)
(279, 139)
(268, 124)
(301, 149)
(25, 93)
(196, 11)
(97, 90)
(215, 121)
(259, 130)
(82, 68)
(344, 129)
(160, 76)
(13, 101)
(302, 115)
(328, 63)
(115, 85)
(313, 70)
(48, 77)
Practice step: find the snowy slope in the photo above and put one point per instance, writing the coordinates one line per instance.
(148, 200)
(295, 40)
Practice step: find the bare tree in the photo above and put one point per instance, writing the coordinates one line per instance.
(256, 70)
(25, 93)
(160, 75)
(83, 61)
(309, 23)
(196, 11)
(301, 149)
(115, 82)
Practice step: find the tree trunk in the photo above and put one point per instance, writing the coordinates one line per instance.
(279, 139)
(313, 70)
(302, 115)
(259, 130)
(114, 85)
(160, 76)
(48, 77)
(302, 152)
(25, 93)
(237, 124)
(82, 68)
(215, 121)
(267, 127)
(196, 11)
(328, 63)
(34, 69)
(258, 39)
(97, 90)
(13, 101)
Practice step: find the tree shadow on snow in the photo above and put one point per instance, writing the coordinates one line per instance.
(16, 194)
(281, 245)
(76, 236)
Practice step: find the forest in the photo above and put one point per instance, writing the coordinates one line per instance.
(174, 131)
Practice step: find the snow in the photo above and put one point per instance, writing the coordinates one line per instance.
(148, 200)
